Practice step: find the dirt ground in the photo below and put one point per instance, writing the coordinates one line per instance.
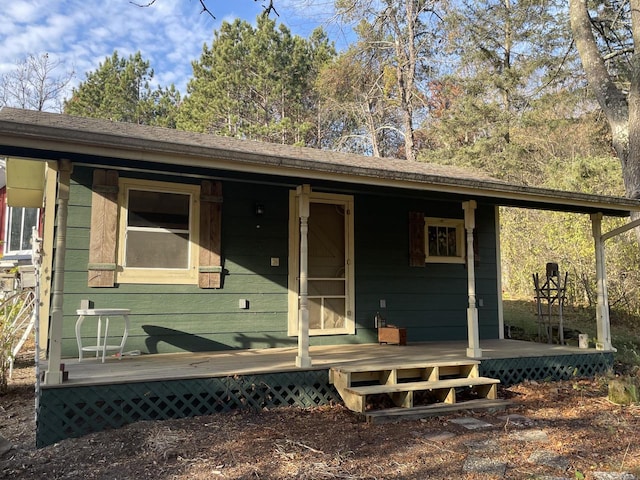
(571, 420)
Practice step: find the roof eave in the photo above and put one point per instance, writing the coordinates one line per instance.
(65, 140)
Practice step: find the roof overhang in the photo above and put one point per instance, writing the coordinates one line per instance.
(53, 136)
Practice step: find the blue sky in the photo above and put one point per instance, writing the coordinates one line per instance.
(170, 33)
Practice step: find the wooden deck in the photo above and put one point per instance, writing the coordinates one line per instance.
(155, 387)
(244, 362)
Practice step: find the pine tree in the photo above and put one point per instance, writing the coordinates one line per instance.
(119, 90)
(514, 74)
(257, 83)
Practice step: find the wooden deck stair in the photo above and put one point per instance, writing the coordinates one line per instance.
(443, 379)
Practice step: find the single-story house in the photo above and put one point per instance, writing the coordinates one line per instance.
(218, 244)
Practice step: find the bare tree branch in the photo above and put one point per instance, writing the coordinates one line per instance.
(34, 84)
(269, 8)
(203, 4)
(152, 2)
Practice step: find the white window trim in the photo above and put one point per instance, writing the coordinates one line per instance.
(178, 276)
(458, 224)
(294, 264)
(7, 229)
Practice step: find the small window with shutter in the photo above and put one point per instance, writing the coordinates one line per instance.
(146, 231)
(444, 240)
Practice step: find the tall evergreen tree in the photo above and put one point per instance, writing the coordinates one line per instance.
(120, 90)
(510, 51)
(514, 74)
(257, 83)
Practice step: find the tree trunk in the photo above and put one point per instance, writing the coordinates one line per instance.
(373, 131)
(622, 111)
(631, 168)
(406, 59)
(506, 66)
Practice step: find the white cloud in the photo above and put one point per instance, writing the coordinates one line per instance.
(169, 34)
(23, 12)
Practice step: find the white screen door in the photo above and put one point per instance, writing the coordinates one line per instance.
(330, 265)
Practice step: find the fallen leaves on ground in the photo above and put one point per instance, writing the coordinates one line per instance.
(574, 420)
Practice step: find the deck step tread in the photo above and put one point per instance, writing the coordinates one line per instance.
(401, 414)
(407, 366)
(422, 385)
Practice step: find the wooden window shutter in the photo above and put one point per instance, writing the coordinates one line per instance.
(210, 266)
(416, 239)
(104, 228)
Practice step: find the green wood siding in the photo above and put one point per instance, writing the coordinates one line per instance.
(167, 318)
(430, 302)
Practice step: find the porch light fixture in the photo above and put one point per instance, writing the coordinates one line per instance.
(259, 209)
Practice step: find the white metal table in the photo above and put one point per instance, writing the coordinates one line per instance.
(102, 338)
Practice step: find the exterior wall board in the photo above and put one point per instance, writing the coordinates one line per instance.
(430, 302)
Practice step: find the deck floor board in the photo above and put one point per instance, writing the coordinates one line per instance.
(245, 362)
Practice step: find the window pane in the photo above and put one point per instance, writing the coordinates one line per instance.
(326, 240)
(15, 227)
(326, 287)
(442, 241)
(30, 221)
(21, 223)
(334, 313)
(157, 250)
(158, 210)
(326, 313)
(315, 315)
(452, 248)
(433, 244)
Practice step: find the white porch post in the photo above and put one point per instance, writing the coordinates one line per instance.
(602, 307)
(53, 375)
(303, 359)
(474, 350)
(499, 274)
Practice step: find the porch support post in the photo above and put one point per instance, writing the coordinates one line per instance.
(53, 375)
(473, 334)
(303, 360)
(499, 274)
(602, 308)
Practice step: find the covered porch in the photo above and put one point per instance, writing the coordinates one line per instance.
(99, 396)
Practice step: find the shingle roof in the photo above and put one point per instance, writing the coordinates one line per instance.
(64, 133)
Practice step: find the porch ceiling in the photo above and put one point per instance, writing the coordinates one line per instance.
(25, 133)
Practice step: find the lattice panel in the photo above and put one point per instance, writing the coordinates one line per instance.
(511, 371)
(75, 411)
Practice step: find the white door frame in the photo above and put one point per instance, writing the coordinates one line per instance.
(294, 259)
